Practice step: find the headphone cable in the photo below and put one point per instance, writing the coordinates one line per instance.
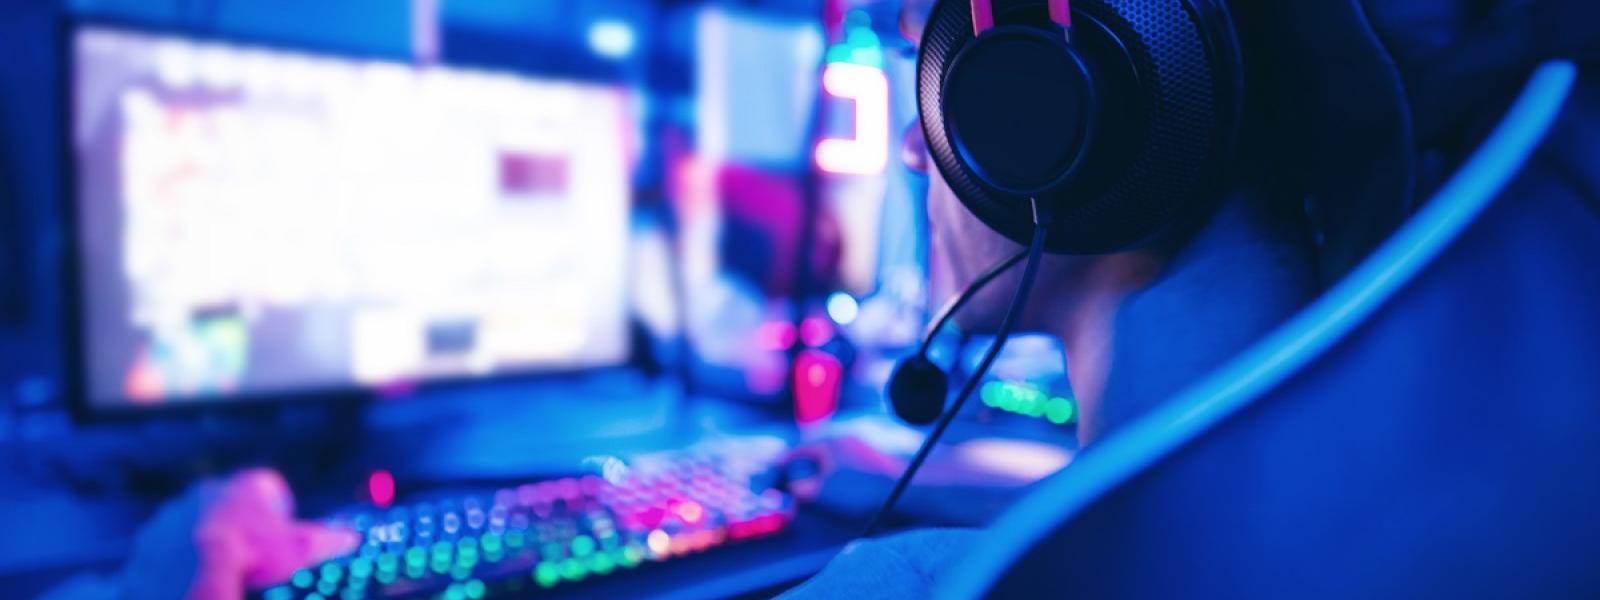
(1034, 255)
(949, 310)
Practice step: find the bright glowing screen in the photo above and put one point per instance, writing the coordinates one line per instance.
(256, 221)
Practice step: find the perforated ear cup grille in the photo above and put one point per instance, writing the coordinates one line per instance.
(1184, 80)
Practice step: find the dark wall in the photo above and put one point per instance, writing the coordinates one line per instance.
(13, 296)
(30, 109)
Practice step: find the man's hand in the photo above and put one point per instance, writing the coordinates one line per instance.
(223, 538)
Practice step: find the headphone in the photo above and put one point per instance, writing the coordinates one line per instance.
(1074, 128)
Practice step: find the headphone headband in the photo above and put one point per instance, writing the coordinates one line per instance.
(983, 14)
(1157, 94)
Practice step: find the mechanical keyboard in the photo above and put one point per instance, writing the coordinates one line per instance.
(528, 539)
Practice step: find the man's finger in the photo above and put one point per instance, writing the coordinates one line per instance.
(299, 546)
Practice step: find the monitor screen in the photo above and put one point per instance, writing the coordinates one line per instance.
(256, 222)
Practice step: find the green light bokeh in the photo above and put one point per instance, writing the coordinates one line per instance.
(573, 570)
(582, 545)
(546, 574)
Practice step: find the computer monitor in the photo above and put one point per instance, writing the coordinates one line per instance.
(259, 223)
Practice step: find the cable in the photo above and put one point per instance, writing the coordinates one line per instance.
(1034, 254)
(955, 304)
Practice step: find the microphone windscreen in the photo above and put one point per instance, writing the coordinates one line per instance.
(917, 390)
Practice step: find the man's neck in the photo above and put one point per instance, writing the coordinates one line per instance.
(1144, 328)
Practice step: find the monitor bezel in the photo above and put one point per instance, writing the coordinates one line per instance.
(80, 403)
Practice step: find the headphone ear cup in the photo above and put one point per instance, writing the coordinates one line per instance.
(1165, 81)
(917, 390)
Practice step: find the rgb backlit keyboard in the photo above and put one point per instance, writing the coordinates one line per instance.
(556, 533)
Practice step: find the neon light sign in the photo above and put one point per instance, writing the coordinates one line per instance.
(866, 153)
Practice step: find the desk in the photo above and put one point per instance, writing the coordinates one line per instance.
(55, 529)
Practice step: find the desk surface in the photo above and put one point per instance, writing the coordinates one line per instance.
(73, 502)
(54, 533)
(54, 529)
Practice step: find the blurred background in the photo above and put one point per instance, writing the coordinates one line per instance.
(419, 244)
(614, 168)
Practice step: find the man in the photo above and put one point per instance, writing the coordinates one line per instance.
(1139, 326)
